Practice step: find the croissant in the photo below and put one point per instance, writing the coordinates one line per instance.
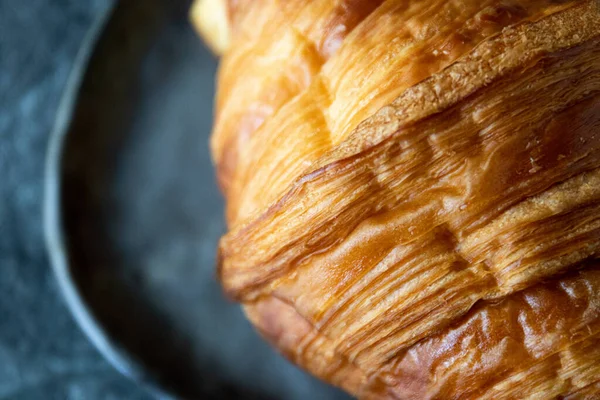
(413, 190)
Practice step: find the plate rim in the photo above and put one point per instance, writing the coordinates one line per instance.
(52, 218)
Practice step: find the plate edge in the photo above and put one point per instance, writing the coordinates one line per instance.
(52, 216)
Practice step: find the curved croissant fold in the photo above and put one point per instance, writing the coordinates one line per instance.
(413, 190)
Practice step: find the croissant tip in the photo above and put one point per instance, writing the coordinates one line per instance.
(212, 23)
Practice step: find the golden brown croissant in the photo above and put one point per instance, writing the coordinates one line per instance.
(413, 190)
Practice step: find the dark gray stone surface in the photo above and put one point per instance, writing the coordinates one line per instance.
(43, 354)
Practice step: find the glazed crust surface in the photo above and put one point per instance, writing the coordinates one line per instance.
(413, 192)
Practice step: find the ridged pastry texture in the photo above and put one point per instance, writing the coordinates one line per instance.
(413, 191)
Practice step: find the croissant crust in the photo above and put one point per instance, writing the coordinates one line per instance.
(413, 191)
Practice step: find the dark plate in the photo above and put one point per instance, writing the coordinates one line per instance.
(133, 215)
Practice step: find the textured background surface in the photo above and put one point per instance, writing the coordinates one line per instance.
(43, 354)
